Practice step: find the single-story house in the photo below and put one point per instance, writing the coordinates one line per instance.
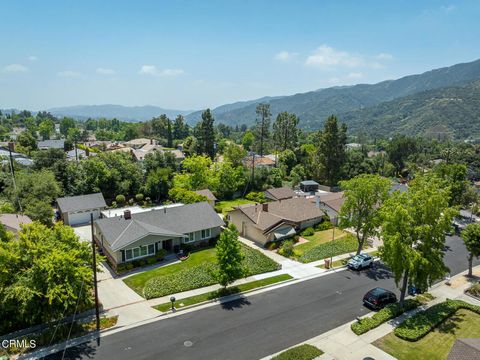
(258, 161)
(275, 220)
(51, 144)
(280, 193)
(330, 203)
(135, 236)
(76, 210)
(139, 143)
(12, 222)
(209, 195)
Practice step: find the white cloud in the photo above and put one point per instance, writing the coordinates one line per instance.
(384, 56)
(334, 80)
(326, 57)
(285, 56)
(32, 58)
(104, 71)
(376, 65)
(153, 71)
(448, 8)
(68, 74)
(15, 68)
(355, 75)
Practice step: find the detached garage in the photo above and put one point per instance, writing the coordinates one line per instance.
(76, 210)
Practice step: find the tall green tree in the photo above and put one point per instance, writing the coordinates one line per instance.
(158, 183)
(413, 228)
(229, 257)
(46, 129)
(399, 150)
(180, 128)
(169, 134)
(205, 134)
(364, 195)
(65, 124)
(46, 275)
(455, 177)
(234, 153)
(262, 127)
(471, 238)
(285, 132)
(248, 140)
(331, 149)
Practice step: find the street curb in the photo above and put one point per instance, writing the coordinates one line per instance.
(223, 299)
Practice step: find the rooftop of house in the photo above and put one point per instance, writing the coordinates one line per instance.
(120, 232)
(268, 215)
(135, 210)
(258, 161)
(207, 193)
(13, 221)
(332, 200)
(281, 193)
(309, 183)
(81, 202)
(51, 144)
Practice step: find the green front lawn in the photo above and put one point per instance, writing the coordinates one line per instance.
(320, 237)
(180, 303)
(436, 344)
(301, 352)
(137, 282)
(195, 272)
(227, 205)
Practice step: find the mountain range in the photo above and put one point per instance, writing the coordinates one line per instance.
(440, 102)
(125, 113)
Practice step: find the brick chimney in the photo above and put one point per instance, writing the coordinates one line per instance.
(127, 214)
(265, 207)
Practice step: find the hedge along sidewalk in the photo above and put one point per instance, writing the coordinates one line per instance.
(220, 293)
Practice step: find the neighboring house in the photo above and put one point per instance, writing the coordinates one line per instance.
(280, 193)
(135, 236)
(140, 154)
(76, 210)
(139, 143)
(353, 146)
(258, 161)
(82, 154)
(275, 220)
(465, 349)
(330, 203)
(51, 144)
(209, 195)
(17, 157)
(12, 222)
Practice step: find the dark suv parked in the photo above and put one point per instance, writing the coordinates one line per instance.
(378, 298)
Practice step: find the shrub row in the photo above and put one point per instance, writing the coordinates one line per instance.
(337, 247)
(301, 352)
(474, 290)
(420, 324)
(204, 275)
(389, 312)
(324, 225)
(149, 260)
(183, 280)
(257, 263)
(308, 232)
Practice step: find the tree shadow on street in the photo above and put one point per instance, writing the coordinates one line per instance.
(236, 304)
(82, 351)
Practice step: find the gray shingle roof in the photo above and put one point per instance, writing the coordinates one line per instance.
(51, 144)
(119, 232)
(207, 193)
(81, 202)
(281, 193)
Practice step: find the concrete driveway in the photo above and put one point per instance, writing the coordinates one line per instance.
(84, 232)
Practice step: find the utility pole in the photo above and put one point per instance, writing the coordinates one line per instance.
(253, 167)
(94, 265)
(11, 145)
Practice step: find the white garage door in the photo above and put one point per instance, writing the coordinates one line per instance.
(82, 217)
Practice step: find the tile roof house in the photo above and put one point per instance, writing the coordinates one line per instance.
(259, 161)
(134, 236)
(209, 195)
(280, 193)
(275, 220)
(13, 222)
(76, 210)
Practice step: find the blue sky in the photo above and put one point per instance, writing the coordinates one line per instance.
(198, 54)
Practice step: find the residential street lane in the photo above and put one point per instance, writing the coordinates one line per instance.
(255, 326)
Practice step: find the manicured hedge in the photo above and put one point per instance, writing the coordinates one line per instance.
(389, 312)
(204, 275)
(301, 352)
(420, 324)
(332, 248)
(257, 263)
(183, 280)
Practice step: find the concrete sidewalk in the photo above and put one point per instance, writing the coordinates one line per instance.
(342, 344)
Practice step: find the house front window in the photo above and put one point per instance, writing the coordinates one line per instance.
(189, 238)
(206, 233)
(139, 252)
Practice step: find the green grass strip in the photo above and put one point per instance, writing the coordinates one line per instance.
(223, 292)
(301, 352)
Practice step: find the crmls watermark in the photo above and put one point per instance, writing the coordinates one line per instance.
(19, 344)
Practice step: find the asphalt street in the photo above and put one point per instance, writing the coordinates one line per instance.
(255, 326)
